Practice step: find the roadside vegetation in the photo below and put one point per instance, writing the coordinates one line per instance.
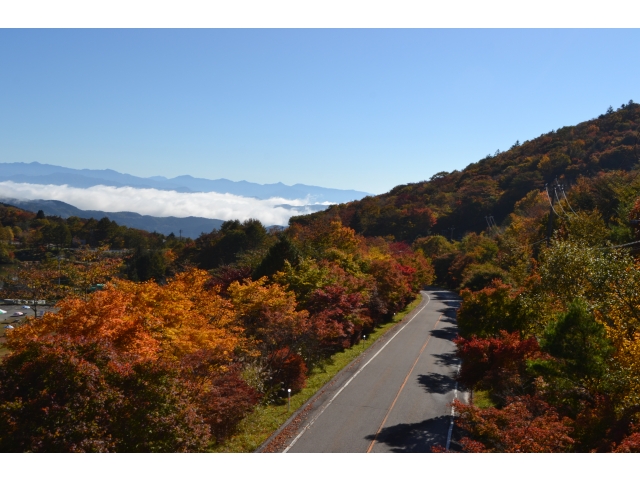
(256, 428)
(200, 357)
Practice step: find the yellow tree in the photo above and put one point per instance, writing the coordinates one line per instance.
(278, 330)
(623, 329)
(326, 236)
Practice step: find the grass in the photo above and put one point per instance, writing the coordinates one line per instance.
(266, 419)
(482, 399)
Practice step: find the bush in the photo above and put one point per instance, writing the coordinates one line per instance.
(490, 310)
(479, 276)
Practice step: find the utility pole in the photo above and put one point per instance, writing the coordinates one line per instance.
(180, 235)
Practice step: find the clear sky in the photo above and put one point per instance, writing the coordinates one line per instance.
(362, 109)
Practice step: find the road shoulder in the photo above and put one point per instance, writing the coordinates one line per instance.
(299, 420)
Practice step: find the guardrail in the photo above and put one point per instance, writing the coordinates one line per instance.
(18, 301)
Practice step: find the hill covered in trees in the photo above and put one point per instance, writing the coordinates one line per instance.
(452, 204)
(34, 237)
(542, 242)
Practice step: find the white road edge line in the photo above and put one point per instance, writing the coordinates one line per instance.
(354, 376)
(453, 412)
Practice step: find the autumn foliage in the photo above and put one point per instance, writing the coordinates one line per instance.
(64, 395)
(497, 363)
(541, 242)
(136, 367)
(176, 362)
(525, 424)
(189, 335)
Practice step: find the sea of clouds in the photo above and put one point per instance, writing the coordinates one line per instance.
(162, 203)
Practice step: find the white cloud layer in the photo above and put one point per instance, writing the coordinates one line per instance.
(161, 203)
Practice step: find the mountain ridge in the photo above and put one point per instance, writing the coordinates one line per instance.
(46, 174)
(454, 203)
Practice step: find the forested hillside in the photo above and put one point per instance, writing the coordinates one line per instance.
(542, 242)
(29, 237)
(452, 204)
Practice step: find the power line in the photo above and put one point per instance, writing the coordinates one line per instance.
(566, 199)
(491, 223)
(619, 246)
(535, 243)
(550, 202)
(550, 219)
(599, 248)
(555, 192)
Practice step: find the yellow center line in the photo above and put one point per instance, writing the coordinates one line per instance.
(400, 391)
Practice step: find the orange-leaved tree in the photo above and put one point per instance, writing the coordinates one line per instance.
(176, 342)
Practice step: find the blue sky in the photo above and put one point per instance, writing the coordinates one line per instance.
(362, 109)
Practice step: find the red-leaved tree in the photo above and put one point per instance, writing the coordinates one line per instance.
(526, 424)
(497, 364)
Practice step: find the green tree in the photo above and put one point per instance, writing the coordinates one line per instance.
(579, 343)
(274, 261)
(495, 308)
(56, 233)
(587, 228)
(146, 265)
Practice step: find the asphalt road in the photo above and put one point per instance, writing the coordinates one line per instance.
(397, 397)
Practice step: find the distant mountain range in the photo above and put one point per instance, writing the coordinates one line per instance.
(44, 174)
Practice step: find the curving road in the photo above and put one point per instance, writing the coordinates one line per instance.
(395, 398)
